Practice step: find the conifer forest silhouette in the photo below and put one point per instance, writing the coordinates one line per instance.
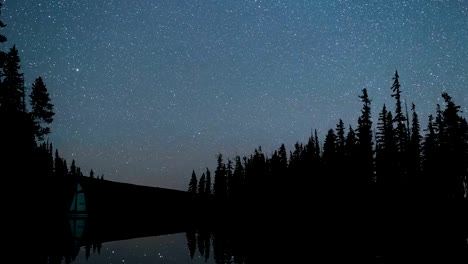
(377, 191)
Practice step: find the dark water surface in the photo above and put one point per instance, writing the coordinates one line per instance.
(157, 249)
(330, 234)
(85, 241)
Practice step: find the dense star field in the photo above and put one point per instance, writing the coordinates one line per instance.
(145, 91)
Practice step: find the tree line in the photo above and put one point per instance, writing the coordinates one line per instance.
(395, 161)
(391, 188)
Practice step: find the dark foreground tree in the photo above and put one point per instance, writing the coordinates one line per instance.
(12, 87)
(193, 184)
(365, 143)
(42, 109)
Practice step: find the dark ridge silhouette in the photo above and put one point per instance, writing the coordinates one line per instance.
(129, 203)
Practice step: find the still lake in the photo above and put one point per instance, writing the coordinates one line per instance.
(79, 242)
(171, 248)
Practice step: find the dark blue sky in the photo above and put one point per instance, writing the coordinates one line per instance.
(145, 91)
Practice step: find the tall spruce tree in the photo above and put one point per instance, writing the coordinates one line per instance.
(12, 95)
(317, 145)
(208, 190)
(193, 184)
(401, 134)
(430, 158)
(237, 180)
(365, 143)
(295, 159)
(341, 169)
(386, 152)
(258, 173)
(42, 110)
(453, 150)
(309, 158)
(351, 155)
(229, 175)
(202, 186)
(283, 159)
(400, 119)
(414, 152)
(329, 153)
(220, 180)
(340, 138)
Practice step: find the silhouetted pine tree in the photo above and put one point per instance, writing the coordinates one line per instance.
(429, 140)
(17, 150)
(340, 142)
(295, 161)
(220, 181)
(274, 176)
(50, 160)
(193, 184)
(255, 177)
(414, 153)
(42, 110)
(62, 180)
(400, 119)
(73, 170)
(311, 159)
(12, 93)
(340, 152)
(440, 183)
(365, 143)
(236, 187)
(386, 152)
(58, 165)
(431, 155)
(17, 127)
(317, 145)
(283, 159)
(329, 153)
(208, 182)
(401, 135)
(259, 166)
(453, 150)
(229, 173)
(329, 160)
(341, 170)
(351, 162)
(202, 186)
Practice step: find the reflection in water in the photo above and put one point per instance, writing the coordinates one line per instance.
(85, 241)
(77, 227)
(157, 249)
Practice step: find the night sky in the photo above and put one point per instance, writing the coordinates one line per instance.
(145, 91)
